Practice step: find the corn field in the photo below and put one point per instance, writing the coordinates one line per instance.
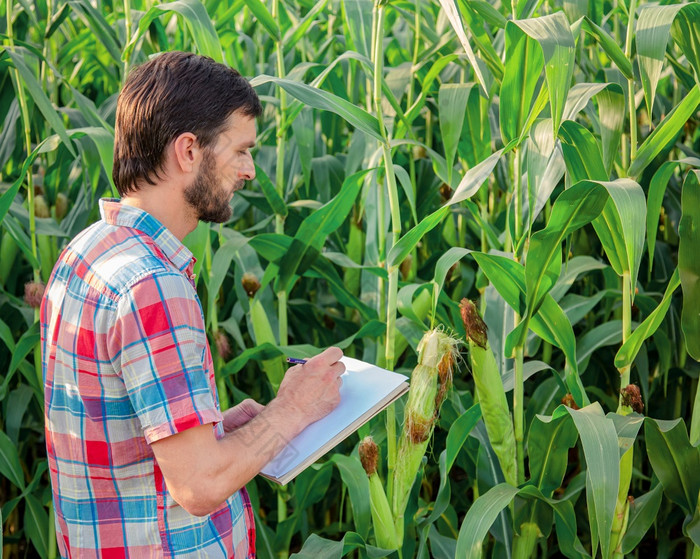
(522, 178)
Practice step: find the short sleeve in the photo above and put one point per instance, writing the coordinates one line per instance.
(159, 346)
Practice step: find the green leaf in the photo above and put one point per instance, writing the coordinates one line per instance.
(574, 208)
(320, 99)
(444, 263)
(314, 230)
(553, 34)
(452, 13)
(600, 448)
(355, 479)
(548, 444)
(295, 33)
(625, 212)
(652, 35)
(611, 112)
(545, 167)
(408, 242)
(643, 513)
(628, 352)
(36, 524)
(37, 92)
(689, 263)
(358, 19)
(102, 31)
(657, 189)
(675, 461)
(550, 323)
(686, 34)
(581, 153)
(475, 177)
(197, 242)
(195, 16)
(480, 516)
(452, 106)
(273, 198)
(10, 466)
(26, 344)
(665, 132)
(523, 66)
(458, 433)
(611, 48)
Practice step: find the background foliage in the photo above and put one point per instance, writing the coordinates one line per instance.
(540, 158)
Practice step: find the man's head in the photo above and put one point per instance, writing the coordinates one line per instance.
(173, 94)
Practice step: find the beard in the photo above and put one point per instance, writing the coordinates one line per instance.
(206, 196)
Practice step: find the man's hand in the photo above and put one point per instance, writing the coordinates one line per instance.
(241, 414)
(312, 389)
(201, 471)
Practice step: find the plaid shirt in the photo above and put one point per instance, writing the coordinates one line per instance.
(126, 362)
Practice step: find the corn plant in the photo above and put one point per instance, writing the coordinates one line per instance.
(537, 158)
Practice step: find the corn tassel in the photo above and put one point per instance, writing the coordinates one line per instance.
(489, 388)
(382, 518)
(430, 381)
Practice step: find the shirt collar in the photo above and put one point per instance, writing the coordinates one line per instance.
(115, 213)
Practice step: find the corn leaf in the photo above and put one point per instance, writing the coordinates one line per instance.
(652, 33)
(102, 31)
(408, 242)
(320, 99)
(600, 447)
(358, 21)
(475, 177)
(549, 439)
(643, 513)
(452, 106)
(611, 112)
(611, 48)
(629, 350)
(458, 433)
(10, 466)
(689, 263)
(553, 34)
(523, 66)
(574, 208)
(37, 92)
(197, 21)
(686, 34)
(296, 32)
(675, 461)
(314, 230)
(665, 132)
(625, 212)
(36, 524)
(480, 516)
(355, 479)
(455, 20)
(581, 153)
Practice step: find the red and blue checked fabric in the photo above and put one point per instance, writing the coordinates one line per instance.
(126, 362)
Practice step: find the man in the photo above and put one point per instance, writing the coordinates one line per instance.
(143, 463)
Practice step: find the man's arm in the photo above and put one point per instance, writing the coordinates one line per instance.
(201, 471)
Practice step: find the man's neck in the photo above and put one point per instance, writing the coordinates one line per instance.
(166, 205)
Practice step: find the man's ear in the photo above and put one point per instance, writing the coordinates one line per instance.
(186, 152)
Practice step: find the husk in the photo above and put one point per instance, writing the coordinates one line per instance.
(430, 381)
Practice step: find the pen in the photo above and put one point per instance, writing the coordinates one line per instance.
(296, 361)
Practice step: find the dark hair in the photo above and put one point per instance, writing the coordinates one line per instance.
(173, 93)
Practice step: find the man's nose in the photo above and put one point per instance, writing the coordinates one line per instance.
(247, 171)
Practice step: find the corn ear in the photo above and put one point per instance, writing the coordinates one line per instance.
(489, 388)
(430, 382)
(274, 368)
(262, 330)
(382, 518)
